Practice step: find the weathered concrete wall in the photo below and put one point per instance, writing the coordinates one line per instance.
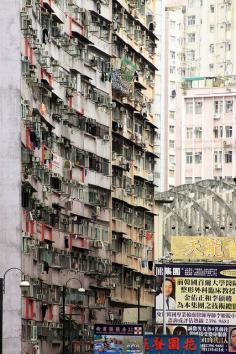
(10, 225)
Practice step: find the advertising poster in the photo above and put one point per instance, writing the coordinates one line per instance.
(171, 344)
(207, 248)
(200, 299)
(118, 339)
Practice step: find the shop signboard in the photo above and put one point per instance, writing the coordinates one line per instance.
(118, 339)
(200, 299)
(166, 344)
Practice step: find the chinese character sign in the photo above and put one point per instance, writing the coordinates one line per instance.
(118, 339)
(197, 288)
(198, 248)
(171, 344)
(201, 299)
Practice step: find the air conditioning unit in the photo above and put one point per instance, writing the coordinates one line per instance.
(216, 116)
(227, 143)
(218, 166)
(120, 125)
(141, 232)
(29, 3)
(106, 137)
(40, 296)
(34, 333)
(53, 325)
(98, 210)
(97, 244)
(93, 61)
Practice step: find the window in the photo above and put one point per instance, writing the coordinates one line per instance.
(171, 114)
(198, 132)
(228, 47)
(198, 157)
(172, 159)
(189, 106)
(198, 107)
(189, 158)
(191, 37)
(228, 131)
(172, 54)
(171, 144)
(191, 3)
(172, 24)
(191, 55)
(221, 132)
(171, 129)
(212, 9)
(228, 157)
(172, 69)
(188, 180)
(189, 133)
(191, 20)
(218, 157)
(212, 28)
(218, 105)
(218, 132)
(228, 106)
(212, 48)
(228, 27)
(211, 67)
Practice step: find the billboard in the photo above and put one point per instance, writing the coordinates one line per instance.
(176, 344)
(199, 299)
(120, 339)
(207, 248)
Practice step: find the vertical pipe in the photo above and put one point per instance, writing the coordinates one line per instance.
(154, 310)
(63, 319)
(1, 313)
(164, 299)
(139, 295)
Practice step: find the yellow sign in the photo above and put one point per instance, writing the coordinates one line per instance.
(203, 248)
(205, 294)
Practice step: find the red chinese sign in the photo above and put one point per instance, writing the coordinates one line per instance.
(177, 344)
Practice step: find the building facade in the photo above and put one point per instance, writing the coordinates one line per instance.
(174, 71)
(88, 166)
(210, 49)
(134, 151)
(203, 138)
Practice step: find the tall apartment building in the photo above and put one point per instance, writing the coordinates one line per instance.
(134, 152)
(210, 48)
(206, 79)
(88, 167)
(174, 71)
(206, 134)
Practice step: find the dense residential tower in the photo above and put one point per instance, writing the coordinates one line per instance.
(87, 173)
(134, 151)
